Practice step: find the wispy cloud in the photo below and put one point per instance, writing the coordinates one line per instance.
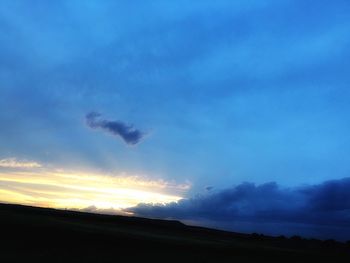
(14, 163)
(128, 133)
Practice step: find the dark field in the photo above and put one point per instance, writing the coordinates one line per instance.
(31, 234)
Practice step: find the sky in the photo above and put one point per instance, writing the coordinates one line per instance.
(164, 108)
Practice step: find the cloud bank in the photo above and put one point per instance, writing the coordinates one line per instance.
(128, 133)
(322, 207)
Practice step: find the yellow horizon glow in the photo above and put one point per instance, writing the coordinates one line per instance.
(76, 190)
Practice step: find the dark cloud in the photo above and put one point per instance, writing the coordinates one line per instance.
(128, 133)
(319, 206)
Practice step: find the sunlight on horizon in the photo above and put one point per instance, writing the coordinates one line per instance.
(85, 191)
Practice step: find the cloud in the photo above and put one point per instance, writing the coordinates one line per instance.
(14, 163)
(322, 206)
(105, 211)
(128, 133)
(209, 188)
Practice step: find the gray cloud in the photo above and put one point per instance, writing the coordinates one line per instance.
(128, 133)
(209, 188)
(322, 207)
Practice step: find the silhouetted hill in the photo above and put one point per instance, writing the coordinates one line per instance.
(31, 234)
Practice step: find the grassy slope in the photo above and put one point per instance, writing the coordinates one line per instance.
(47, 235)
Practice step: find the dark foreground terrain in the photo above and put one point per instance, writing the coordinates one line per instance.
(29, 234)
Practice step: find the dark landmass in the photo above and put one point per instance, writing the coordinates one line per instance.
(31, 234)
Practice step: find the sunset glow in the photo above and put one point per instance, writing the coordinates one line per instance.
(74, 190)
(230, 114)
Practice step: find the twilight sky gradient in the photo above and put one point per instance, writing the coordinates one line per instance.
(189, 99)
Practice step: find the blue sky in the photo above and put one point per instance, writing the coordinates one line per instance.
(223, 92)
